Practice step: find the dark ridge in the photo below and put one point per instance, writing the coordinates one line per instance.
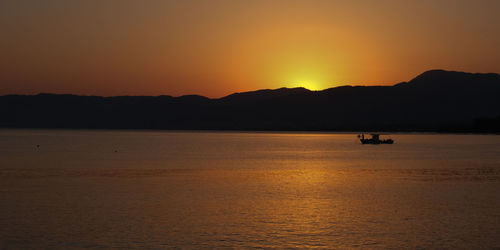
(436, 100)
(264, 94)
(453, 78)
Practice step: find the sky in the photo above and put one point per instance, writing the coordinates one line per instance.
(218, 47)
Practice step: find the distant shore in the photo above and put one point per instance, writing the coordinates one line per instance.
(479, 132)
(436, 101)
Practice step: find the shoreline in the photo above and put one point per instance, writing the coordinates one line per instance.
(261, 130)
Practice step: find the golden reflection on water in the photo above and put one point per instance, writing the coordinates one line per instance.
(247, 190)
(256, 208)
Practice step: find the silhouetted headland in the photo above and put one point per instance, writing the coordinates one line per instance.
(436, 100)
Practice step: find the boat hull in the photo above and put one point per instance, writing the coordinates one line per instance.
(376, 142)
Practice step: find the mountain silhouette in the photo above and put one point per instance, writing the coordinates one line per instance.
(435, 100)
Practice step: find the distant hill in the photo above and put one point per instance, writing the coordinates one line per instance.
(436, 100)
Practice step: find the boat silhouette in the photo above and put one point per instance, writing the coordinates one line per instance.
(375, 139)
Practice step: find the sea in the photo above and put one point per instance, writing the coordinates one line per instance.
(99, 189)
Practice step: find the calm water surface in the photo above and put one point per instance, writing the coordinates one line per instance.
(103, 189)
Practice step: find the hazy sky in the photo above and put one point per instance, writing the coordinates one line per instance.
(214, 48)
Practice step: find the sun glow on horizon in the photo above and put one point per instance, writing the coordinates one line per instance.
(312, 78)
(312, 75)
(310, 85)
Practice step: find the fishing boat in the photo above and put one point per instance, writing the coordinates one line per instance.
(375, 139)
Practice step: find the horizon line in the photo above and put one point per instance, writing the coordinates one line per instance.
(256, 90)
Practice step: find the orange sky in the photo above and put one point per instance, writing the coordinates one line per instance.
(214, 48)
